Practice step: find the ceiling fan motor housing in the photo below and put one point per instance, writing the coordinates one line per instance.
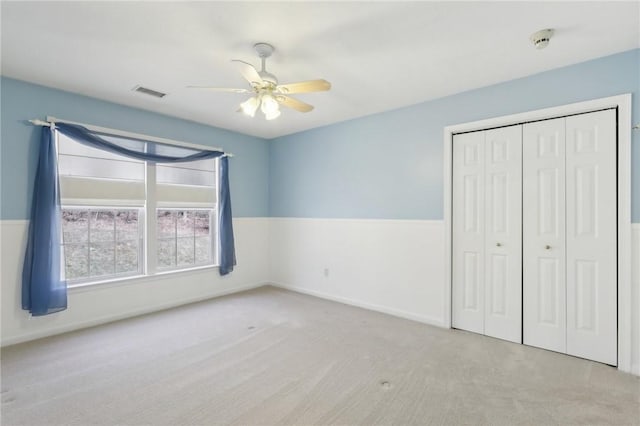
(269, 78)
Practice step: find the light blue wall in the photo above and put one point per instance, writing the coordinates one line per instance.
(389, 165)
(249, 173)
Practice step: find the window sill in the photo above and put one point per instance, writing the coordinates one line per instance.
(137, 279)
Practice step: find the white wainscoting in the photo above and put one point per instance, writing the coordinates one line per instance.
(392, 266)
(102, 303)
(635, 299)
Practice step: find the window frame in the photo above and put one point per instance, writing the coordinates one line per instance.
(147, 223)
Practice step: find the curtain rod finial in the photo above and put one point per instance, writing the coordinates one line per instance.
(37, 122)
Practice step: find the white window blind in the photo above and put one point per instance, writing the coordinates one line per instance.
(90, 176)
(187, 184)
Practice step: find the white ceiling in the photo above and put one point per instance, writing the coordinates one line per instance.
(377, 55)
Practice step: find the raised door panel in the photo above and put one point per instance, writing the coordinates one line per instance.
(591, 236)
(468, 231)
(503, 233)
(544, 256)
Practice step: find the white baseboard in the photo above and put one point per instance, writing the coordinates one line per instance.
(386, 266)
(390, 266)
(360, 304)
(39, 334)
(92, 305)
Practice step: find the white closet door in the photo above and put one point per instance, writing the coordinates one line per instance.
(468, 231)
(503, 233)
(591, 236)
(544, 259)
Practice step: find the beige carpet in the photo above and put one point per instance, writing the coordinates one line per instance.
(273, 357)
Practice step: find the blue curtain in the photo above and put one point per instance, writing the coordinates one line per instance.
(135, 148)
(228, 256)
(43, 292)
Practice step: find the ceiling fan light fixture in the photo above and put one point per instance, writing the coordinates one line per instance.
(272, 115)
(267, 94)
(250, 106)
(269, 105)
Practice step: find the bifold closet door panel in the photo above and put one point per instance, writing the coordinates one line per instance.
(503, 233)
(468, 231)
(544, 245)
(591, 236)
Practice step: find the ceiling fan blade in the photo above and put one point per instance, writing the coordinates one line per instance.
(293, 103)
(304, 86)
(249, 72)
(220, 89)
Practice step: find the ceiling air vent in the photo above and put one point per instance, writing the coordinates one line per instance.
(149, 92)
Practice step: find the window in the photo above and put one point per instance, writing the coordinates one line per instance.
(101, 243)
(184, 238)
(123, 217)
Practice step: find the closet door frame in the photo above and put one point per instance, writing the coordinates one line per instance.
(623, 105)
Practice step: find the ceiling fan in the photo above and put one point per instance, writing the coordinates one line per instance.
(267, 93)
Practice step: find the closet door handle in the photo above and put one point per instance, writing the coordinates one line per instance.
(498, 244)
(547, 247)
